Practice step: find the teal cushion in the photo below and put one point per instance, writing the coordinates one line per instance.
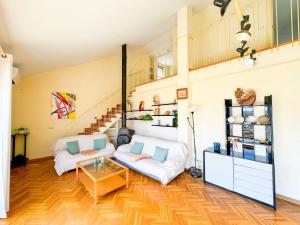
(99, 144)
(73, 147)
(160, 154)
(137, 148)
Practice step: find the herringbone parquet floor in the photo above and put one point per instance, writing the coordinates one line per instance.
(39, 196)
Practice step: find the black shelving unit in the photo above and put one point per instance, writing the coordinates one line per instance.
(164, 104)
(163, 115)
(137, 110)
(248, 129)
(248, 140)
(156, 125)
(245, 106)
(137, 119)
(249, 124)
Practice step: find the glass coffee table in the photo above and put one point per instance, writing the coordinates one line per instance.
(101, 176)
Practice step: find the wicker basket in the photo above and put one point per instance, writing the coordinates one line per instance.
(245, 97)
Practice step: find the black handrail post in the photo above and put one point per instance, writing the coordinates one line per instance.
(124, 83)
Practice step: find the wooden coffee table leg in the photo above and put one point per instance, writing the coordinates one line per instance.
(127, 178)
(76, 172)
(95, 194)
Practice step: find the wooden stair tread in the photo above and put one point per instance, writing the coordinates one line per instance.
(103, 120)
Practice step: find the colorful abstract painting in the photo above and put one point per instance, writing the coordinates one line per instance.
(63, 105)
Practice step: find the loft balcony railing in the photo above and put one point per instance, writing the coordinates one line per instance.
(212, 37)
(274, 23)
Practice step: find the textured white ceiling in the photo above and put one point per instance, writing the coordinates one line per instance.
(48, 34)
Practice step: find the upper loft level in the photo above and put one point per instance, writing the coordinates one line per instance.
(213, 38)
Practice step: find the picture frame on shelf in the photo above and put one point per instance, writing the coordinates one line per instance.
(182, 93)
(156, 111)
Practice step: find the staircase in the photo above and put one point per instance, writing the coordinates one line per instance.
(108, 123)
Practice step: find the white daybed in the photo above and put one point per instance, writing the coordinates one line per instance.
(64, 161)
(163, 172)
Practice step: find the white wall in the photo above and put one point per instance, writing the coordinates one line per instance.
(277, 73)
(96, 86)
(5, 132)
(166, 90)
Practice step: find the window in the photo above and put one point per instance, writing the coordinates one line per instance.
(160, 72)
(286, 21)
(164, 64)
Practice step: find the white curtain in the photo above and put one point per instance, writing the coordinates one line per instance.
(5, 131)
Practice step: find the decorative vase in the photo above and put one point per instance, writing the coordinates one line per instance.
(251, 119)
(264, 120)
(239, 119)
(231, 119)
(217, 147)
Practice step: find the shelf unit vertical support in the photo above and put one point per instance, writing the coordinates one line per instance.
(269, 104)
(228, 111)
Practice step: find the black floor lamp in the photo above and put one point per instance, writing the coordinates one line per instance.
(194, 171)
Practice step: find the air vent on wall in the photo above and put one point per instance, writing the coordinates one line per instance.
(15, 75)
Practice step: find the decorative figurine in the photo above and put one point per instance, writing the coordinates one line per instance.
(155, 100)
(142, 105)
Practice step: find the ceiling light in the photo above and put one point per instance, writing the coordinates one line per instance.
(250, 62)
(223, 4)
(243, 35)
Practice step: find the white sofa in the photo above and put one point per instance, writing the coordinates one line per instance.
(64, 161)
(163, 172)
